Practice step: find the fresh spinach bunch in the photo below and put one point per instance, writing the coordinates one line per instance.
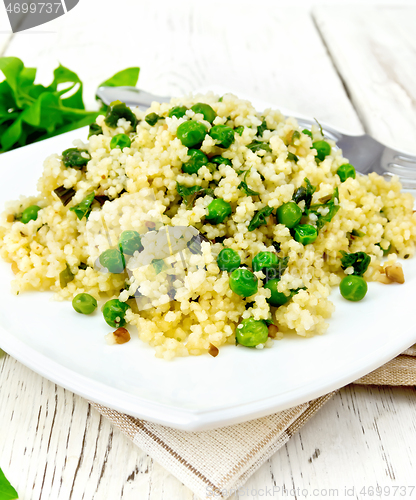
(31, 112)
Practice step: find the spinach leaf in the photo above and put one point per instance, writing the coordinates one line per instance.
(7, 492)
(259, 146)
(189, 194)
(260, 218)
(304, 193)
(83, 209)
(64, 194)
(358, 260)
(127, 77)
(243, 185)
(159, 265)
(152, 119)
(276, 246)
(292, 157)
(330, 205)
(295, 135)
(261, 128)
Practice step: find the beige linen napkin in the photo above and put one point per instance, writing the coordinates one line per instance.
(214, 464)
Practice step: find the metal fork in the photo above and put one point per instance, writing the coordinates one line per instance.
(365, 153)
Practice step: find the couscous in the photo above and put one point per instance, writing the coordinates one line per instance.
(202, 223)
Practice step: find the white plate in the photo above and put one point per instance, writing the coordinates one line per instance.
(193, 393)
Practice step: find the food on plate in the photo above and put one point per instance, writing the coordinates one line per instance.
(203, 222)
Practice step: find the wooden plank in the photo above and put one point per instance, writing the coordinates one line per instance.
(188, 46)
(374, 50)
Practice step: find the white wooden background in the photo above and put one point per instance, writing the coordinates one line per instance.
(351, 65)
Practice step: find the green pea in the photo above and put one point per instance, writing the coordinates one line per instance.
(177, 111)
(243, 282)
(84, 303)
(30, 213)
(307, 132)
(73, 157)
(117, 110)
(345, 171)
(239, 130)
(152, 119)
(228, 260)
(197, 160)
(120, 141)
(251, 332)
(353, 288)
(113, 260)
(218, 210)
(114, 312)
(305, 233)
(276, 298)
(206, 110)
(223, 134)
(220, 160)
(267, 262)
(323, 149)
(130, 242)
(289, 214)
(191, 133)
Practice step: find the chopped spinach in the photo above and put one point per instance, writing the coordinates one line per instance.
(243, 185)
(159, 265)
(330, 205)
(292, 157)
(260, 218)
(83, 209)
(64, 194)
(358, 260)
(256, 146)
(94, 130)
(261, 128)
(189, 194)
(304, 193)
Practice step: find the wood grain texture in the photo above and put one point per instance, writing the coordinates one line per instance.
(374, 50)
(186, 46)
(53, 446)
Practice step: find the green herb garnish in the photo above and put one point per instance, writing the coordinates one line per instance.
(159, 265)
(189, 194)
(292, 157)
(261, 128)
(256, 146)
(152, 119)
(358, 260)
(243, 185)
(304, 193)
(332, 210)
(260, 218)
(64, 194)
(83, 209)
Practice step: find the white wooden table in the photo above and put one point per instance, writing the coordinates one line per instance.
(352, 66)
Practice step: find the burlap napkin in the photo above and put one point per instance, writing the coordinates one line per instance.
(214, 464)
